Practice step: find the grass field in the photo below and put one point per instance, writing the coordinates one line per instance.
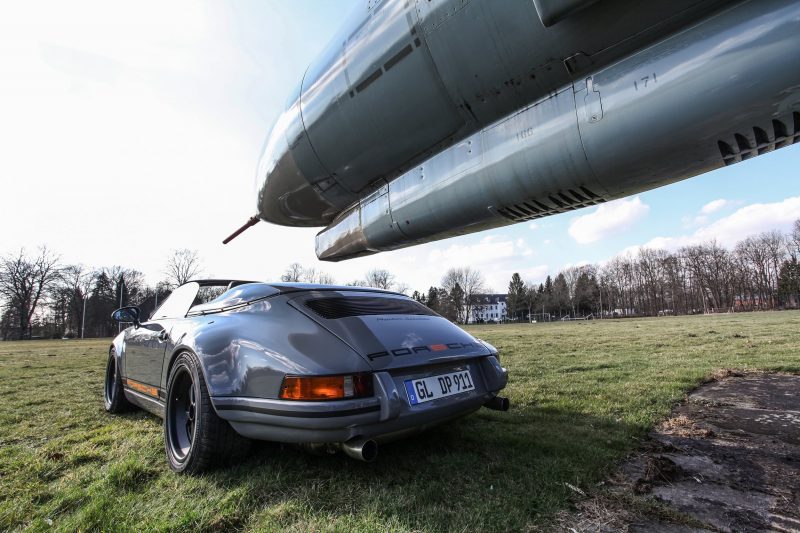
(583, 394)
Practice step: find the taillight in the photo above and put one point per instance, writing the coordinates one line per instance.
(326, 387)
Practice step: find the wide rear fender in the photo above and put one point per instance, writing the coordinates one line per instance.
(247, 352)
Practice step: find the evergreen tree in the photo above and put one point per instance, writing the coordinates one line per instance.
(560, 295)
(456, 310)
(516, 297)
(433, 300)
(101, 304)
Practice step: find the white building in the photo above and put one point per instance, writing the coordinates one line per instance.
(488, 308)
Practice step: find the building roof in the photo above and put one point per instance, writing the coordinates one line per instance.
(490, 299)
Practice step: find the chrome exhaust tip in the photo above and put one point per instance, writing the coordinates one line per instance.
(362, 449)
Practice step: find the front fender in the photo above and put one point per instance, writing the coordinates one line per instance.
(118, 345)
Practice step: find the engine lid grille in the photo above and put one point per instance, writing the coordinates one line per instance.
(342, 307)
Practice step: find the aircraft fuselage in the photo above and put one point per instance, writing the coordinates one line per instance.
(428, 119)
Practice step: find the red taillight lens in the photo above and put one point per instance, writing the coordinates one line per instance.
(326, 387)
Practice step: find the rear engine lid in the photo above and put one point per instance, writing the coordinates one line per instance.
(390, 330)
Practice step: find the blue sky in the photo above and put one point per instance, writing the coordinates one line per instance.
(130, 130)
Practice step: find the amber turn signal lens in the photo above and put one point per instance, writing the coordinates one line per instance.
(326, 387)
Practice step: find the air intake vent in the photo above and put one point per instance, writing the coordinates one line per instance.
(550, 204)
(747, 146)
(332, 308)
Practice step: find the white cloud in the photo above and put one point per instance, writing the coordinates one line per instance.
(496, 256)
(608, 219)
(749, 220)
(534, 226)
(714, 206)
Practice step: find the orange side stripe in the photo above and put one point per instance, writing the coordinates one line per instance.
(141, 387)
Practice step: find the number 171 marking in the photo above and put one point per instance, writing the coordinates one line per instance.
(644, 80)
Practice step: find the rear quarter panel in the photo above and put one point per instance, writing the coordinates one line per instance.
(247, 352)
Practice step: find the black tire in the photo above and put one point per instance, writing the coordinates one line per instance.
(195, 438)
(114, 399)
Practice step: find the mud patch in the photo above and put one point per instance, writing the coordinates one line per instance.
(728, 459)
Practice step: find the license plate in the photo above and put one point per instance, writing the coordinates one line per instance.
(435, 387)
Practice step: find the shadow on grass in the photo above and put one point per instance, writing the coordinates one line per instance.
(493, 471)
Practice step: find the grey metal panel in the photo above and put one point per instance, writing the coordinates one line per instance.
(348, 240)
(552, 11)
(495, 57)
(722, 91)
(665, 109)
(424, 199)
(405, 79)
(284, 194)
(309, 164)
(475, 49)
(383, 86)
(537, 152)
(530, 155)
(376, 219)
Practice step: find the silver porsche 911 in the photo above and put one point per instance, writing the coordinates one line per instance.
(329, 368)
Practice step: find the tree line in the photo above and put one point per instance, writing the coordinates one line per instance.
(760, 272)
(44, 298)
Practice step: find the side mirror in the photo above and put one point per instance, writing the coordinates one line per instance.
(127, 314)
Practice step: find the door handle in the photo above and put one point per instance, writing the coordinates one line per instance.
(163, 335)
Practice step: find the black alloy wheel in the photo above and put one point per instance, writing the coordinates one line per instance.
(114, 399)
(194, 436)
(182, 413)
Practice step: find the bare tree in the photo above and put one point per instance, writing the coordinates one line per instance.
(324, 278)
(182, 266)
(380, 278)
(24, 281)
(762, 256)
(297, 273)
(793, 240)
(71, 292)
(402, 287)
(293, 274)
(468, 280)
(312, 275)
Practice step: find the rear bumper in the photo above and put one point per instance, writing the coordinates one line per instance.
(386, 416)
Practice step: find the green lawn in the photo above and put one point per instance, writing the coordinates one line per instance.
(583, 394)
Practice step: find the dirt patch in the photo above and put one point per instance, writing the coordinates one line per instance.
(728, 459)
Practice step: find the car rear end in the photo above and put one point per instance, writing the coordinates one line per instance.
(426, 370)
(423, 371)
